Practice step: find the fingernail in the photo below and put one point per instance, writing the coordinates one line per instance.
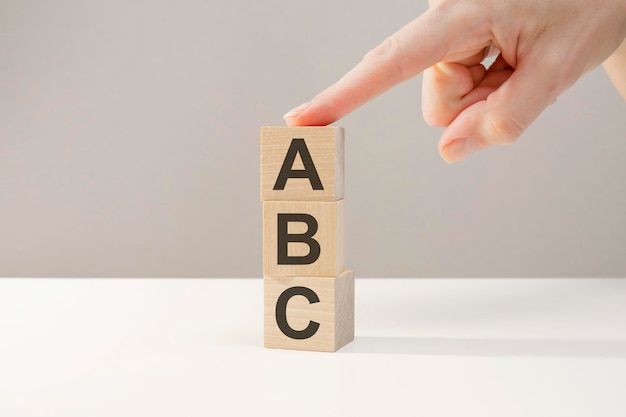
(296, 111)
(459, 149)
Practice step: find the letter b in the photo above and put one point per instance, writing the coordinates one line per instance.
(284, 238)
(303, 238)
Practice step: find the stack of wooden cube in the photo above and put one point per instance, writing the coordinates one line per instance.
(309, 295)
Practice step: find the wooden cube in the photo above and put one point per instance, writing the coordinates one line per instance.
(304, 238)
(302, 163)
(309, 313)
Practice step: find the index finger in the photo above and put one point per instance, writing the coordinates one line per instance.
(403, 55)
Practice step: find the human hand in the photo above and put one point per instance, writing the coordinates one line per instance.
(544, 47)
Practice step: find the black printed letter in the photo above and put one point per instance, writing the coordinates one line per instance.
(281, 313)
(307, 237)
(309, 171)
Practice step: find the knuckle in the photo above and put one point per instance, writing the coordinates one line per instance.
(437, 118)
(385, 50)
(388, 54)
(503, 129)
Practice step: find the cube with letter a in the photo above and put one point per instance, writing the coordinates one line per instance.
(302, 163)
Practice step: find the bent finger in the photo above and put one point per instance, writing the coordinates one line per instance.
(507, 112)
(450, 88)
(445, 87)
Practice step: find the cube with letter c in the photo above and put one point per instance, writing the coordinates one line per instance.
(309, 313)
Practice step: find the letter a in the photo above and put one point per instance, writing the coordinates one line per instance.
(287, 171)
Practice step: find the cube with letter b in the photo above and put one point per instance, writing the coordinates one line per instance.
(304, 238)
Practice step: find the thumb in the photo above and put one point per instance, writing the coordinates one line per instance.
(506, 113)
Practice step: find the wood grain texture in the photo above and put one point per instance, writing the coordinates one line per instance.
(334, 312)
(326, 147)
(331, 232)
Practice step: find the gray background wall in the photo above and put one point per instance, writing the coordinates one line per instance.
(129, 146)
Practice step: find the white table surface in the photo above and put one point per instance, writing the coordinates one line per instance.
(423, 347)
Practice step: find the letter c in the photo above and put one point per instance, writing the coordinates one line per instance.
(281, 313)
